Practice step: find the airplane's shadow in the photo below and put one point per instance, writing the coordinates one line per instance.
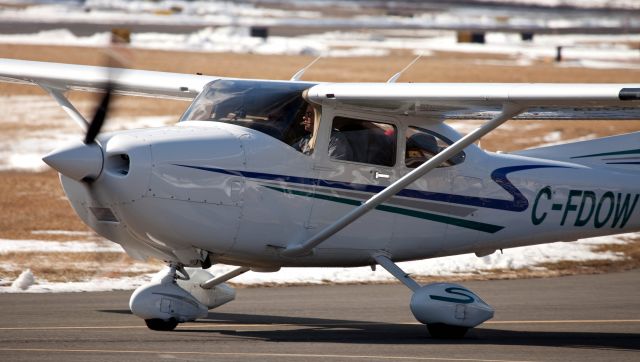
(304, 329)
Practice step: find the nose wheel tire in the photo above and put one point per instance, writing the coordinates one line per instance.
(161, 325)
(446, 331)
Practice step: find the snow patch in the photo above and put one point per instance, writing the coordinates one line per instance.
(63, 232)
(572, 140)
(554, 136)
(467, 264)
(23, 246)
(459, 265)
(93, 285)
(24, 281)
(584, 4)
(227, 28)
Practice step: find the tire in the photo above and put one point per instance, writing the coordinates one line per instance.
(446, 331)
(161, 325)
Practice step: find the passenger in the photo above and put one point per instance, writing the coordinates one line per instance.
(420, 148)
(339, 148)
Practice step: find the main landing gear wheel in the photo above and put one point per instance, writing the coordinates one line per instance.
(161, 325)
(448, 310)
(446, 331)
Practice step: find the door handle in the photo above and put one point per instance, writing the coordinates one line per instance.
(379, 174)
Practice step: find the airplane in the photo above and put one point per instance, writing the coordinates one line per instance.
(267, 174)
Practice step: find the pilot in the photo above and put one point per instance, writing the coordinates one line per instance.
(339, 147)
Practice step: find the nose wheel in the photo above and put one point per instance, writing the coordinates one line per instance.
(158, 324)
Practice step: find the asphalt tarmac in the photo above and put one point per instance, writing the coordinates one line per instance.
(577, 318)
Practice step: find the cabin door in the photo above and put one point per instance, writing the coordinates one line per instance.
(355, 155)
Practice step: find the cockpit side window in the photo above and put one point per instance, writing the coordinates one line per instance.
(273, 108)
(422, 144)
(363, 141)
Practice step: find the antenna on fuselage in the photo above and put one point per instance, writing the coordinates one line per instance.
(397, 75)
(296, 77)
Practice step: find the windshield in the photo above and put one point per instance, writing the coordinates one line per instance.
(274, 108)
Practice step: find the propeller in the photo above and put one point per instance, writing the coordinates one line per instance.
(114, 59)
(99, 116)
(83, 161)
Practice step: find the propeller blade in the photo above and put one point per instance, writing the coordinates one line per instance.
(98, 117)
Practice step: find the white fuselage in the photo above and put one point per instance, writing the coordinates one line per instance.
(242, 196)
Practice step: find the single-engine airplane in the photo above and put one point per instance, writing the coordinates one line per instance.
(265, 174)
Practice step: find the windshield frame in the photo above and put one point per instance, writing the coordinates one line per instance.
(271, 107)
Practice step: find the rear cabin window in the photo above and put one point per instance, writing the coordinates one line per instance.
(358, 140)
(422, 144)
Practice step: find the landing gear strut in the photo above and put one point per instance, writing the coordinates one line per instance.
(448, 310)
(158, 324)
(178, 297)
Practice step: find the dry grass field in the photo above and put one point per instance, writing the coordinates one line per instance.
(34, 201)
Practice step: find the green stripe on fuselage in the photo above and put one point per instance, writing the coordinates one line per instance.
(617, 153)
(487, 228)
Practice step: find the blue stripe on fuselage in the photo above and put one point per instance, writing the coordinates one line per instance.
(518, 204)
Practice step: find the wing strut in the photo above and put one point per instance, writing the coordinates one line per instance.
(396, 271)
(509, 110)
(58, 95)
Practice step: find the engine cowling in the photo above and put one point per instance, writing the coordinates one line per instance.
(449, 304)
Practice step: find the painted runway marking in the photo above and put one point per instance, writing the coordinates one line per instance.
(275, 325)
(567, 321)
(248, 354)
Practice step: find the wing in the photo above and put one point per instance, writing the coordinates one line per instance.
(485, 100)
(94, 79)
(506, 100)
